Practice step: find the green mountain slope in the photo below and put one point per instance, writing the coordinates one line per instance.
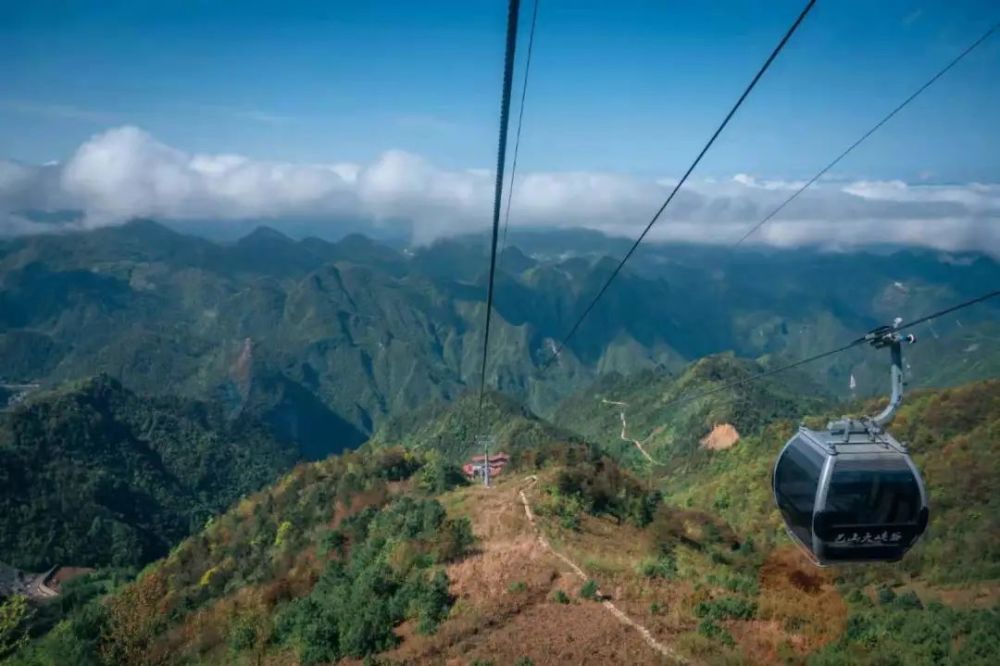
(670, 426)
(939, 605)
(369, 553)
(325, 341)
(451, 428)
(94, 475)
(952, 435)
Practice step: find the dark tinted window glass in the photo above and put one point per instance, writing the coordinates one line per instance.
(796, 478)
(862, 495)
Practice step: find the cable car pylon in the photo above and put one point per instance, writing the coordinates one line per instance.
(486, 442)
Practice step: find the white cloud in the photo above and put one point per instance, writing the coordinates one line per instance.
(125, 173)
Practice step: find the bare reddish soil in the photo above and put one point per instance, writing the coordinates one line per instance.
(505, 607)
(723, 436)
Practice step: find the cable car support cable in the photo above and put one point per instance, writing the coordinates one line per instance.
(739, 102)
(867, 134)
(517, 133)
(508, 74)
(868, 338)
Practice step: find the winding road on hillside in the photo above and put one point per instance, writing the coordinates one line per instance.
(625, 438)
(646, 634)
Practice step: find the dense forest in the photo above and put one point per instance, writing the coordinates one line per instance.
(94, 475)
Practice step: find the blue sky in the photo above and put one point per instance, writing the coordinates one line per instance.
(626, 87)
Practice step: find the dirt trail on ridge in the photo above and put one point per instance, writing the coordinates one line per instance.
(624, 436)
(506, 598)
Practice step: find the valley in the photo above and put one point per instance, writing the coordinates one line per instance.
(277, 327)
(253, 461)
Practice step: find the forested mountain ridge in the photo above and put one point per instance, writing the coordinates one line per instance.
(450, 429)
(94, 475)
(280, 327)
(371, 553)
(663, 410)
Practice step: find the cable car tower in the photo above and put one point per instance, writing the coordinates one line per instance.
(485, 442)
(851, 493)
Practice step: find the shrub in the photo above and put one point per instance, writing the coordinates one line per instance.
(726, 608)
(570, 521)
(603, 487)
(353, 608)
(517, 586)
(438, 475)
(433, 603)
(664, 566)
(333, 541)
(710, 629)
(589, 590)
(243, 633)
(742, 583)
(285, 530)
(454, 539)
(14, 615)
(909, 601)
(560, 597)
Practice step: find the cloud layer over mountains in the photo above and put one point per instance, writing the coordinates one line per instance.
(125, 173)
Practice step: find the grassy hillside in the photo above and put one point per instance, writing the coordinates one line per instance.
(941, 604)
(952, 434)
(373, 553)
(323, 564)
(93, 475)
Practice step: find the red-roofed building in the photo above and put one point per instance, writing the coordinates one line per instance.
(474, 468)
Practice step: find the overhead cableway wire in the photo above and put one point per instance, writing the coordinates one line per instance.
(921, 320)
(517, 133)
(508, 75)
(854, 343)
(867, 134)
(680, 183)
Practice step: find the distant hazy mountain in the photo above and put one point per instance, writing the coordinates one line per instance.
(325, 340)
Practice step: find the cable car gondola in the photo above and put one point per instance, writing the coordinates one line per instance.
(851, 493)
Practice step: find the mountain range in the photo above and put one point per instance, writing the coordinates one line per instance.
(325, 341)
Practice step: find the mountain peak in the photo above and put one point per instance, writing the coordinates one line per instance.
(146, 228)
(265, 234)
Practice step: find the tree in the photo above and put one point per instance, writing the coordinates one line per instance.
(434, 603)
(134, 620)
(14, 616)
(454, 539)
(438, 475)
